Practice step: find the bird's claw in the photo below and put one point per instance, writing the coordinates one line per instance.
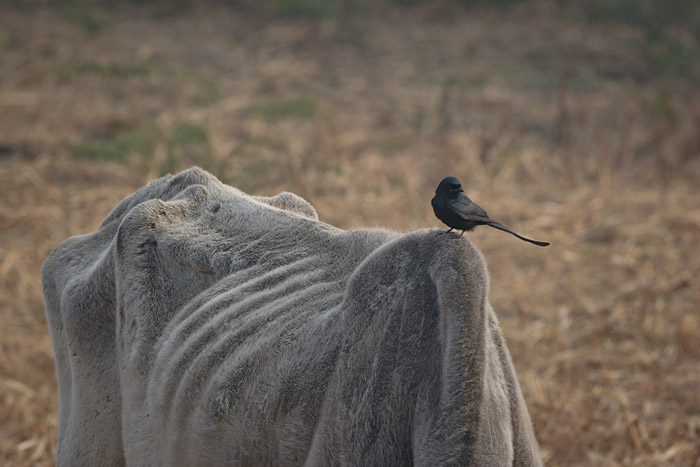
(444, 232)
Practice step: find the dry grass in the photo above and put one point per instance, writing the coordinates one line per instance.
(543, 118)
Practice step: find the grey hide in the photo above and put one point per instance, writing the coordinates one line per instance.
(202, 326)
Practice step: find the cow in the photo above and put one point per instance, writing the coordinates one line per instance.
(199, 325)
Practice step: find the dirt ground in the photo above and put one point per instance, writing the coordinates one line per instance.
(557, 126)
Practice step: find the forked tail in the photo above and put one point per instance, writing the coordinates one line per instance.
(502, 227)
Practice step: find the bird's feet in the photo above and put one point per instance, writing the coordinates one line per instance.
(453, 236)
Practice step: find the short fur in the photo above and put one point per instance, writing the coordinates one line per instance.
(202, 326)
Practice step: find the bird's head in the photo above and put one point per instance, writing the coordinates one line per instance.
(450, 187)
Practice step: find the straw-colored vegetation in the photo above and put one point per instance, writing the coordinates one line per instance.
(565, 126)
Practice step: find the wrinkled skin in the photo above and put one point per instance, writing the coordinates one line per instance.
(202, 326)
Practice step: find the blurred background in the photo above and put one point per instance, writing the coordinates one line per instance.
(574, 122)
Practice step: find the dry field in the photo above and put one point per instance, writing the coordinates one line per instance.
(557, 126)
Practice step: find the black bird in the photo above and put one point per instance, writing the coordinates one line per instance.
(457, 211)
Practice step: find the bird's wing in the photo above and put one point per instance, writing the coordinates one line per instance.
(468, 209)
